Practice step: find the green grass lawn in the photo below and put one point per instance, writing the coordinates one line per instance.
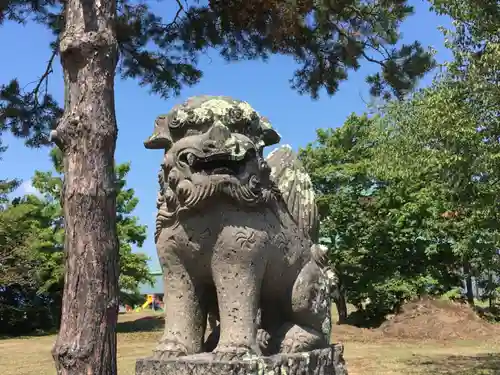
(138, 334)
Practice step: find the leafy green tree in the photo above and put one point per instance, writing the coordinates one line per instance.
(455, 128)
(32, 252)
(134, 269)
(26, 304)
(337, 165)
(476, 28)
(440, 137)
(376, 228)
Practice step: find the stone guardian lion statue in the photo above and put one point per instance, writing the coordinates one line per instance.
(235, 235)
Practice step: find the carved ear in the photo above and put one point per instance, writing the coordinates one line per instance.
(157, 142)
(161, 138)
(270, 137)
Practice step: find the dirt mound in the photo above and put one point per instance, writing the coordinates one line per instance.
(350, 333)
(438, 320)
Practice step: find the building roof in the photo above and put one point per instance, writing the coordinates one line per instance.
(157, 288)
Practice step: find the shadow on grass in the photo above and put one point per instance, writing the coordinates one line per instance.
(360, 319)
(29, 335)
(145, 324)
(482, 364)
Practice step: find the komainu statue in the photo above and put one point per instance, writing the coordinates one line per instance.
(235, 234)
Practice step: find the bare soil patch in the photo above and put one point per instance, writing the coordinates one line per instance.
(425, 320)
(438, 320)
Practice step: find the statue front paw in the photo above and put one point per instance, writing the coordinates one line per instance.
(169, 349)
(263, 338)
(296, 339)
(232, 353)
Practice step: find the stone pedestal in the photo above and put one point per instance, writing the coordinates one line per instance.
(329, 361)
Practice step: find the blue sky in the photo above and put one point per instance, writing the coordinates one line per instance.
(264, 85)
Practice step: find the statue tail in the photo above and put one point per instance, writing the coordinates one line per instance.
(295, 186)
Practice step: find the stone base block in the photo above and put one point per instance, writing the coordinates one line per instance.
(329, 361)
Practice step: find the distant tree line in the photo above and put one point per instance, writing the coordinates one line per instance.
(32, 251)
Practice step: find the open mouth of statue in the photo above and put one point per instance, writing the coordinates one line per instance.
(216, 164)
(210, 167)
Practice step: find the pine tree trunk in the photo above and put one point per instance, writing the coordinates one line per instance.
(87, 133)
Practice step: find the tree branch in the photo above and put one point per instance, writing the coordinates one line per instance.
(45, 75)
(177, 14)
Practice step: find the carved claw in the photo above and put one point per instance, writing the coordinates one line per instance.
(229, 353)
(169, 349)
(263, 338)
(302, 339)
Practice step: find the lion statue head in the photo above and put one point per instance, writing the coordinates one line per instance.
(213, 146)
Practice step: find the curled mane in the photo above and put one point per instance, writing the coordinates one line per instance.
(175, 197)
(295, 186)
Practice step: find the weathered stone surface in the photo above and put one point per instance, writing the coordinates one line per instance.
(236, 235)
(328, 361)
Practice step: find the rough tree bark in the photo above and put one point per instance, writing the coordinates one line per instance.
(87, 136)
